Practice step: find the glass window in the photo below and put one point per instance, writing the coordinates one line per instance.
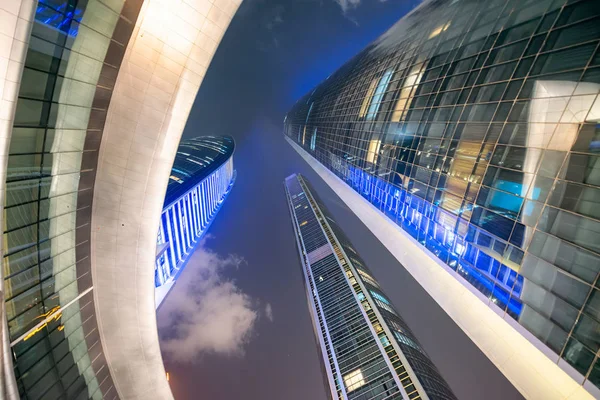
(571, 58)
(581, 263)
(581, 168)
(31, 112)
(550, 334)
(584, 200)
(555, 280)
(578, 356)
(573, 228)
(19, 216)
(549, 305)
(492, 222)
(587, 331)
(500, 201)
(595, 373)
(593, 304)
(578, 11)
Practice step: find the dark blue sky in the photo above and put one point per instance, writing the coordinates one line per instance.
(274, 52)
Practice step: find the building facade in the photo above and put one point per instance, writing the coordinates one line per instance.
(201, 178)
(472, 128)
(94, 96)
(368, 351)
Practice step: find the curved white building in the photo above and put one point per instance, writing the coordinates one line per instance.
(466, 139)
(201, 178)
(94, 96)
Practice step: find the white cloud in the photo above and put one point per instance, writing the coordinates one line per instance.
(269, 312)
(207, 313)
(348, 4)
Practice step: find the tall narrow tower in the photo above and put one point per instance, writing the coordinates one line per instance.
(368, 351)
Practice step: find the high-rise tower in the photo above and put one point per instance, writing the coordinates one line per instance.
(201, 178)
(368, 351)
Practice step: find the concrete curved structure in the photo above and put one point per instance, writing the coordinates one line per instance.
(88, 135)
(160, 76)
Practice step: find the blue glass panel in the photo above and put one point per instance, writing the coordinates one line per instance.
(60, 17)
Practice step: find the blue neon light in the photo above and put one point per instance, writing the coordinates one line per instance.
(59, 18)
(181, 172)
(420, 219)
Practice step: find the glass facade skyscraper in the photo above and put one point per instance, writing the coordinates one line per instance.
(201, 178)
(69, 66)
(94, 97)
(368, 351)
(474, 126)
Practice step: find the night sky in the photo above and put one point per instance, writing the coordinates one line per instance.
(236, 325)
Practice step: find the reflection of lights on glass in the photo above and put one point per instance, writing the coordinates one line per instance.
(450, 236)
(460, 249)
(439, 30)
(59, 18)
(53, 315)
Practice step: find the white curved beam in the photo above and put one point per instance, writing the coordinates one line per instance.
(164, 64)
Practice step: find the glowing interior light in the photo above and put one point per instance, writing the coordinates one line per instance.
(354, 380)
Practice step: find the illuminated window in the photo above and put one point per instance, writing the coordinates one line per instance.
(309, 111)
(439, 30)
(366, 305)
(354, 380)
(406, 340)
(379, 297)
(367, 99)
(313, 140)
(381, 88)
(374, 147)
(384, 340)
(408, 91)
(367, 278)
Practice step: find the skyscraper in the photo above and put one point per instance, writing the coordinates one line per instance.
(94, 96)
(201, 178)
(368, 351)
(470, 130)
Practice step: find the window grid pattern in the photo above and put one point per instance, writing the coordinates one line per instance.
(391, 325)
(73, 55)
(361, 347)
(484, 148)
